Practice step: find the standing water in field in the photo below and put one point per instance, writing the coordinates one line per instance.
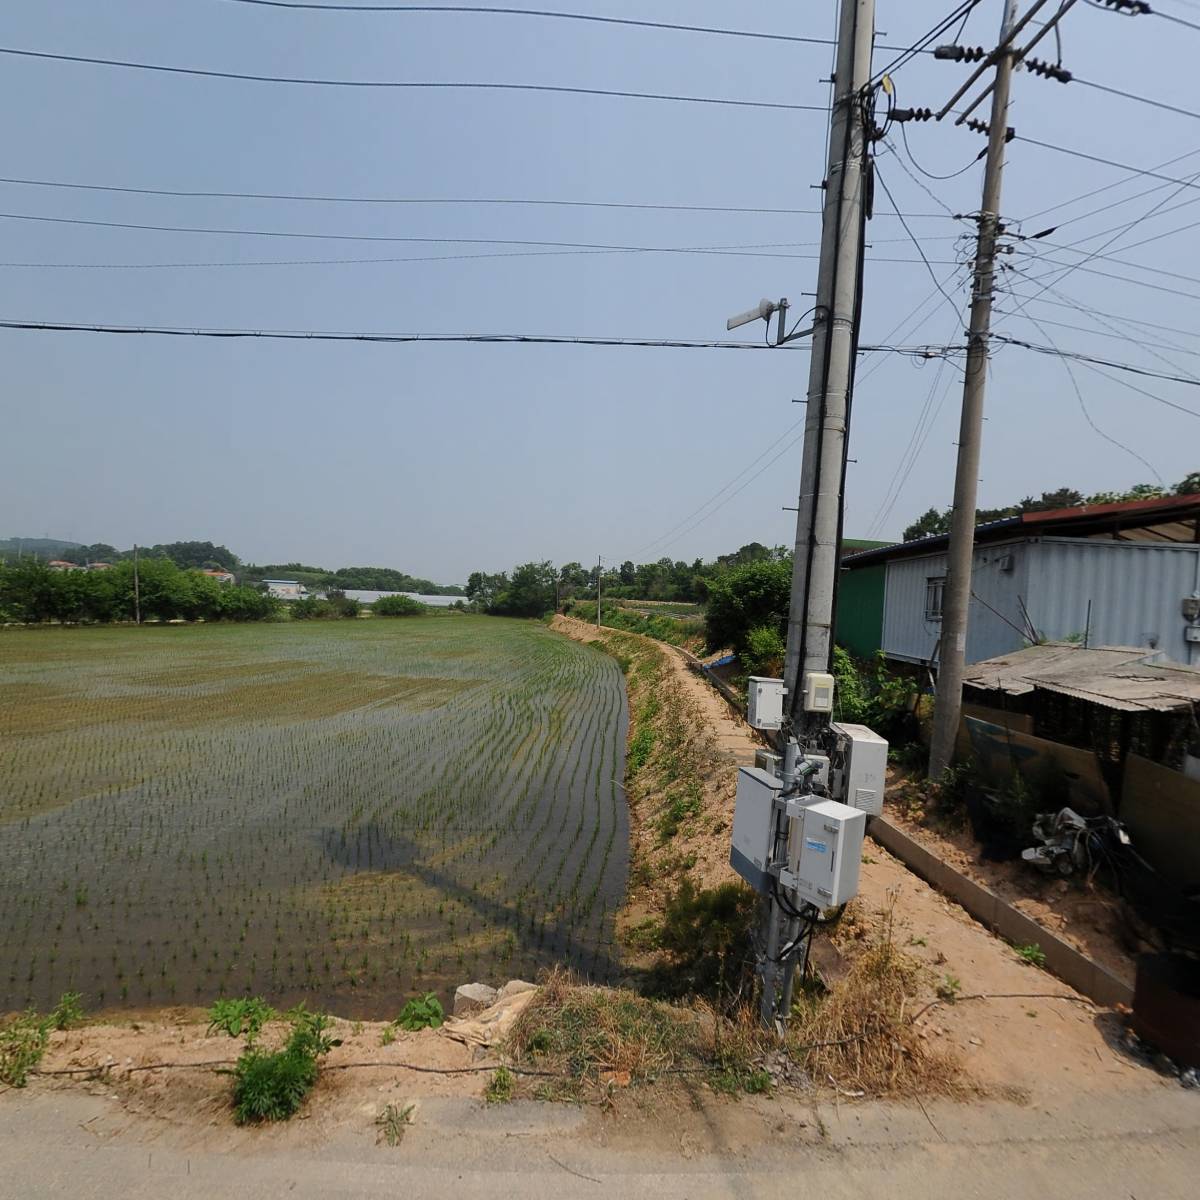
(338, 813)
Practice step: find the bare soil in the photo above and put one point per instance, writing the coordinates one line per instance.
(1083, 913)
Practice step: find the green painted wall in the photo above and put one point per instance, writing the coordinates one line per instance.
(860, 610)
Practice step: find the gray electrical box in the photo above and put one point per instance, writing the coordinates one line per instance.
(825, 872)
(754, 825)
(764, 709)
(858, 770)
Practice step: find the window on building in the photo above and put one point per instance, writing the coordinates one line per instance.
(935, 587)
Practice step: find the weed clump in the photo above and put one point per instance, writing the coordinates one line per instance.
(861, 1034)
(270, 1085)
(24, 1039)
(500, 1087)
(421, 1012)
(596, 1038)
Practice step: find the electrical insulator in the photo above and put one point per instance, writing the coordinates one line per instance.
(983, 127)
(1134, 8)
(911, 114)
(960, 53)
(1048, 70)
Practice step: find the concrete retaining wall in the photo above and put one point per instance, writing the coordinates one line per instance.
(1073, 968)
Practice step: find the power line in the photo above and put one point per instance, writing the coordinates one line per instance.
(920, 46)
(408, 239)
(1087, 416)
(1105, 188)
(393, 83)
(296, 335)
(920, 250)
(1077, 356)
(1155, 325)
(1118, 232)
(1108, 162)
(731, 252)
(749, 467)
(426, 200)
(481, 10)
(1154, 12)
(1162, 104)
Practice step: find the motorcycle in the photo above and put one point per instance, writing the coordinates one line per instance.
(1071, 844)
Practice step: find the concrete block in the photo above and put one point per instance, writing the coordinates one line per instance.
(471, 997)
(514, 987)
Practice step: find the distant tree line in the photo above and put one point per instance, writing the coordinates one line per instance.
(186, 555)
(211, 556)
(934, 521)
(32, 592)
(373, 579)
(534, 588)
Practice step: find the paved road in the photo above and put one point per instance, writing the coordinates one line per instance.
(1142, 1145)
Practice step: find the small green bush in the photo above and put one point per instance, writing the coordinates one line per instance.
(68, 1012)
(640, 746)
(421, 1012)
(242, 1015)
(23, 1040)
(764, 652)
(500, 1086)
(397, 606)
(1033, 954)
(271, 1085)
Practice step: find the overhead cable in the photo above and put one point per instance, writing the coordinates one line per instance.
(1078, 356)
(429, 200)
(482, 10)
(405, 83)
(296, 335)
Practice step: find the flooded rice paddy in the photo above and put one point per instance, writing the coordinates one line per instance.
(343, 814)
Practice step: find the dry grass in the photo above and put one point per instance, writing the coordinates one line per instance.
(860, 1035)
(593, 1039)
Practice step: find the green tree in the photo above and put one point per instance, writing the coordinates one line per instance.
(927, 524)
(747, 597)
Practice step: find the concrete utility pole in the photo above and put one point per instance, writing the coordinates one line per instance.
(137, 591)
(956, 595)
(814, 573)
(823, 461)
(599, 560)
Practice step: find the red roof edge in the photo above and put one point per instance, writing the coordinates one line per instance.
(1155, 503)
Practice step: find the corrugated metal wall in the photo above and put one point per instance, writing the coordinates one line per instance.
(1135, 588)
(999, 577)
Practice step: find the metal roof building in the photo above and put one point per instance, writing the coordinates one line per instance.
(1110, 574)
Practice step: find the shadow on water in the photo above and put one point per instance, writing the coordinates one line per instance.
(374, 848)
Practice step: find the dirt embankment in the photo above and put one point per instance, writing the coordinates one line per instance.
(680, 778)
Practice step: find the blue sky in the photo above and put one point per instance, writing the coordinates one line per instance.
(444, 459)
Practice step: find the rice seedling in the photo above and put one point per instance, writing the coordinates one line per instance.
(342, 814)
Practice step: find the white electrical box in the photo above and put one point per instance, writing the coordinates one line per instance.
(765, 707)
(858, 769)
(818, 692)
(830, 854)
(754, 825)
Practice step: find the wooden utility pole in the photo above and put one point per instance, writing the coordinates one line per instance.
(956, 595)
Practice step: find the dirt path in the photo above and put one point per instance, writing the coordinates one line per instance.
(733, 736)
(1019, 1043)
